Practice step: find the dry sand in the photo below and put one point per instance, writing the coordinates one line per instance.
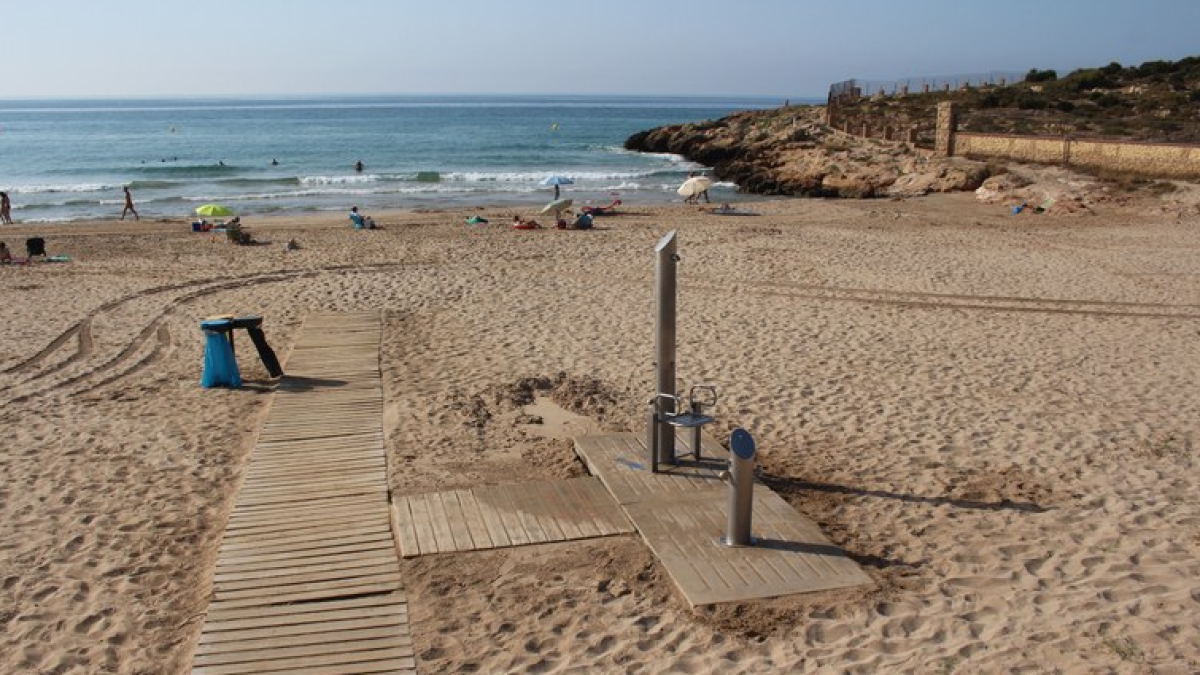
(996, 415)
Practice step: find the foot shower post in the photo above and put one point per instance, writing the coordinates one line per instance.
(741, 489)
(662, 447)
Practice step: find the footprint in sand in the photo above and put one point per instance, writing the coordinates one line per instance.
(90, 622)
(44, 593)
(602, 647)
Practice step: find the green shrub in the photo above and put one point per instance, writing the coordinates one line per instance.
(1035, 75)
(1031, 102)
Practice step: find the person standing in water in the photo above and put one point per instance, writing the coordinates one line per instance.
(5, 209)
(129, 205)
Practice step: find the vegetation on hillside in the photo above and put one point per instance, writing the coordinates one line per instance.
(1157, 101)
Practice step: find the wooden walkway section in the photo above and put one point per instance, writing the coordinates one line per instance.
(682, 512)
(307, 577)
(499, 516)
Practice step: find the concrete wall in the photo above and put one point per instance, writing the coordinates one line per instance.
(1151, 159)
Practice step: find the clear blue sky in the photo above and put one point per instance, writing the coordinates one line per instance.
(796, 48)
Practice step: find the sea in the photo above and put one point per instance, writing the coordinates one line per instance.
(67, 160)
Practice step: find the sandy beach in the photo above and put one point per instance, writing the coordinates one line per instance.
(995, 415)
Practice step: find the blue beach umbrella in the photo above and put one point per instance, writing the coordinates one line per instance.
(557, 180)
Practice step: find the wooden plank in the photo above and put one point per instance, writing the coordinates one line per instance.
(314, 466)
(474, 519)
(320, 483)
(509, 516)
(315, 450)
(323, 565)
(329, 560)
(406, 531)
(318, 592)
(329, 624)
(326, 529)
(562, 510)
(379, 492)
(243, 650)
(311, 589)
(347, 607)
(426, 540)
(331, 507)
(491, 520)
(580, 506)
(401, 656)
(609, 517)
(456, 522)
(301, 546)
(524, 508)
(439, 523)
(360, 544)
(348, 459)
(238, 582)
(541, 508)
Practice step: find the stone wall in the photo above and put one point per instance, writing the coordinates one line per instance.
(943, 131)
(1152, 159)
(1157, 159)
(1022, 148)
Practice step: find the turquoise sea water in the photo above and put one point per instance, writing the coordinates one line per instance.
(63, 160)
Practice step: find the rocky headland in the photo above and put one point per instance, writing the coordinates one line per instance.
(790, 151)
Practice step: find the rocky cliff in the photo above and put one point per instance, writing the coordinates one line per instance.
(789, 151)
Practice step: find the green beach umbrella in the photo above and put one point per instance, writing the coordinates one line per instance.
(214, 211)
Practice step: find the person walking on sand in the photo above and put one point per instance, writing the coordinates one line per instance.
(129, 205)
(5, 209)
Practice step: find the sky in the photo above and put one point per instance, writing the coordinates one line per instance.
(786, 48)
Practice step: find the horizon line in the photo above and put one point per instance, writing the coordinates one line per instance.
(274, 96)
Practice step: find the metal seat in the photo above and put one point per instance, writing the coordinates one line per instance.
(693, 418)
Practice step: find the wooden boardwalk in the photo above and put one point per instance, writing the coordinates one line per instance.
(682, 511)
(498, 516)
(307, 577)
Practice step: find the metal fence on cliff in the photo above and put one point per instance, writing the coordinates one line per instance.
(850, 90)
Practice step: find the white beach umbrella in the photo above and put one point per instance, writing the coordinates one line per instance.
(694, 186)
(558, 206)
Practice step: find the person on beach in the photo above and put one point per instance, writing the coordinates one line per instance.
(129, 205)
(358, 166)
(360, 221)
(5, 209)
(5, 254)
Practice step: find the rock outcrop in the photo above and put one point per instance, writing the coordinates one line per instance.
(789, 151)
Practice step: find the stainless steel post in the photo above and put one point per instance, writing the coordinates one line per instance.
(741, 489)
(664, 343)
(652, 434)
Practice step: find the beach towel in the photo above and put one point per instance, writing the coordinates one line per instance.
(732, 212)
